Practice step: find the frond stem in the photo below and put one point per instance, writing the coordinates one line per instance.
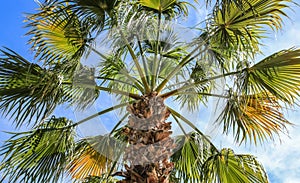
(120, 92)
(201, 93)
(136, 62)
(183, 62)
(116, 80)
(192, 126)
(118, 124)
(176, 91)
(155, 64)
(98, 53)
(143, 58)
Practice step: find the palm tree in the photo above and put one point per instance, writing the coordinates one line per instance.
(145, 59)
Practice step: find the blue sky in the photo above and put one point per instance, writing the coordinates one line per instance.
(281, 159)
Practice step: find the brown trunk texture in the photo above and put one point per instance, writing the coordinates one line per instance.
(150, 145)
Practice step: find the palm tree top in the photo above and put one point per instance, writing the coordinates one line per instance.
(149, 62)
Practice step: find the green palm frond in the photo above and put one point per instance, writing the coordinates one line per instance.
(193, 97)
(252, 117)
(115, 74)
(95, 156)
(27, 91)
(57, 38)
(227, 167)
(39, 155)
(169, 45)
(232, 28)
(277, 74)
(80, 88)
(98, 14)
(189, 159)
(168, 7)
(220, 3)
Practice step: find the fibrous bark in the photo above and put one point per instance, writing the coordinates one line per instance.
(150, 144)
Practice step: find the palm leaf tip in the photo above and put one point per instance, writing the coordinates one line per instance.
(253, 117)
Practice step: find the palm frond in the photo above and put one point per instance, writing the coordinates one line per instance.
(168, 7)
(97, 14)
(220, 3)
(232, 28)
(27, 91)
(80, 88)
(40, 155)
(189, 159)
(95, 156)
(276, 74)
(226, 166)
(252, 117)
(57, 38)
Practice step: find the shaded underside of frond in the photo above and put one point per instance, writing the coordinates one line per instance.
(26, 89)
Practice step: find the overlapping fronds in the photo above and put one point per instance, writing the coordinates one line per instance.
(232, 28)
(39, 155)
(80, 88)
(98, 14)
(277, 74)
(227, 167)
(27, 91)
(57, 35)
(194, 96)
(189, 159)
(252, 117)
(95, 156)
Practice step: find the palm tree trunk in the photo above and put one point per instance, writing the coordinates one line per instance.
(150, 145)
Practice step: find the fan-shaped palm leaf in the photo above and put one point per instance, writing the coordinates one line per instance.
(227, 167)
(277, 74)
(97, 14)
(26, 89)
(39, 155)
(97, 179)
(169, 7)
(95, 156)
(29, 93)
(56, 37)
(232, 28)
(252, 117)
(189, 159)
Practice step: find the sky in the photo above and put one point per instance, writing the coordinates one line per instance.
(280, 158)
